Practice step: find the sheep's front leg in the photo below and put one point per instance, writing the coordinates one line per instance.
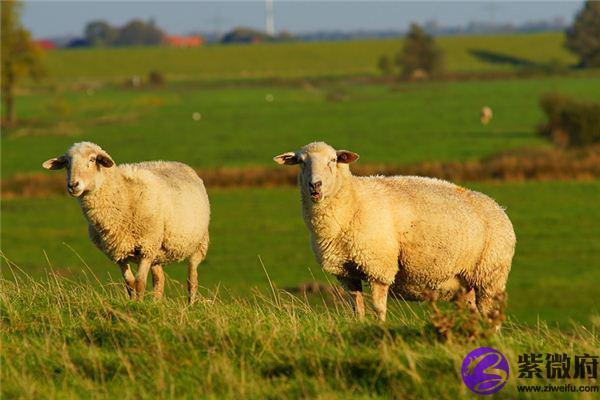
(128, 276)
(380, 294)
(353, 287)
(158, 281)
(141, 278)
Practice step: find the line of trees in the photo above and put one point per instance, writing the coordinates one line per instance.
(249, 35)
(134, 33)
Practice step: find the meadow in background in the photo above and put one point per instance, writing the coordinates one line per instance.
(240, 126)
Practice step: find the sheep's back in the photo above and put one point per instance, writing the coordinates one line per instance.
(450, 228)
(182, 202)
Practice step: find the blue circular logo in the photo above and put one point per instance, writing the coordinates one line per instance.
(485, 370)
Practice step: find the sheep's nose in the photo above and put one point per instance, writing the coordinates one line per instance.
(315, 186)
(73, 185)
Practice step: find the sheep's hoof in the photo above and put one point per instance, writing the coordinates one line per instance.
(157, 295)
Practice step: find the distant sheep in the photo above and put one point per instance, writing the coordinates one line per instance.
(151, 213)
(485, 116)
(411, 235)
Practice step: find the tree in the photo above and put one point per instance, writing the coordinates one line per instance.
(419, 53)
(100, 33)
(583, 38)
(20, 56)
(139, 33)
(245, 35)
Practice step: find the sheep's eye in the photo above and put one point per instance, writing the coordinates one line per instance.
(93, 159)
(333, 160)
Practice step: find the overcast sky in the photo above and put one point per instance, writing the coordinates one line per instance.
(52, 18)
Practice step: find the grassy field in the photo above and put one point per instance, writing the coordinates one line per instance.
(554, 277)
(67, 330)
(300, 60)
(65, 340)
(402, 124)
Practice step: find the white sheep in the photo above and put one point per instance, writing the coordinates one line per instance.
(151, 213)
(485, 115)
(411, 235)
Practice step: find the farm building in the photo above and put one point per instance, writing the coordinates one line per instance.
(45, 44)
(182, 41)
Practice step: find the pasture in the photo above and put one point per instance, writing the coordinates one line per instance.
(465, 54)
(553, 278)
(399, 124)
(68, 330)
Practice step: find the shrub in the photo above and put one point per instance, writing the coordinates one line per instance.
(571, 122)
(156, 78)
(386, 66)
(462, 323)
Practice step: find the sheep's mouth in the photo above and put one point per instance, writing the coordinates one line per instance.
(316, 196)
(75, 192)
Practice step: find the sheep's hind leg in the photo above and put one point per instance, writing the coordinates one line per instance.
(158, 281)
(466, 297)
(491, 306)
(353, 287)
(128, 276)
(142, 277)
(380, 294)
(192, 280)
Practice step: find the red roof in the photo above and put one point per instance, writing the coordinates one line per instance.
(182, 41)
(45, 44)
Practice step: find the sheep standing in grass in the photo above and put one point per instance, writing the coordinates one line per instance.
(409, 235)
(151, 213)
(485, 115)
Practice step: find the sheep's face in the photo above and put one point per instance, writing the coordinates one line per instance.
(321, 167)
(85, 164)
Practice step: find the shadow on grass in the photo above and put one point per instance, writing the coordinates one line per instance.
(524, 66)
(499, 58)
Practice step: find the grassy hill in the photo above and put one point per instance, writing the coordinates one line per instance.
(65, 340)
(300, 60)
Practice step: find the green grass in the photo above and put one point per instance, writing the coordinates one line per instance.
(69, 332)
(294, 60)
(554, 276)
(406, 124)
(65, 340)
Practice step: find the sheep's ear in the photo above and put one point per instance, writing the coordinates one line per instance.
(289, 158)
(104, 160)
(55, 163)
(346, 157)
